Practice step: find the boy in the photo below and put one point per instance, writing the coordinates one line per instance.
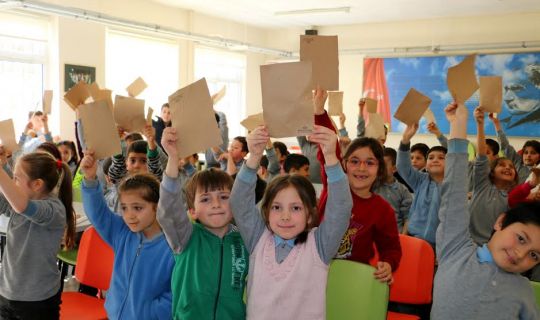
(163, 121)
(481, 282)
(232, 160)
(296, 164)
(419, 152)
(394, 192)
(423, 219)
(211, 261)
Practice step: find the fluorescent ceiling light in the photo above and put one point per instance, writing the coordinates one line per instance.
(313, 11)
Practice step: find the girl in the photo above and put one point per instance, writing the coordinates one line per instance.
(490, 186)
(69, 154)
(39, 202)
(373, 220)
(141, 280)
(289, 258)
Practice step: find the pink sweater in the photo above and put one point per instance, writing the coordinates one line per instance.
(293, 289)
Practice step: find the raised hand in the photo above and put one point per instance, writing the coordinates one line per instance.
(479, 115)
(409, 132)
(256, 140)
(495, 121)
(342, 119)
(457, 117)
(89, 164)
(319, 99)
(327, 139)
(432, 128)
(150, 133)
(168, 142)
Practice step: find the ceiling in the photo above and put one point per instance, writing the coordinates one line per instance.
(262, 13)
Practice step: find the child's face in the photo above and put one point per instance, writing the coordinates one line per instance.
(288, 216)
(505, 171)
(235, 150)
(515, 248)
(166, 114)
(418, 160)
(361, 168)
(136, 163)
(65, 152)
(212, 210)
(302, 171)
(390, 167)
(23, 181)
(139, 214)
(530, 156)
(490, 155)
(435, 163)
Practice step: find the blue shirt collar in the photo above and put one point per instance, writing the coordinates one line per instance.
(483, 254)
(278, 241)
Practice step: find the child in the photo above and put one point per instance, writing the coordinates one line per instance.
(397, 195)
(527, 191)
(69, 155)
(163, 121)
(423, 219)
(296, 164)
(263, 168)
(38, 201)
(490, 186)
(419, 152)
(211, 262)
(373, 220)
(289, 258)
(232, 160)
(475, 282)
(276, 152)
(141, 280)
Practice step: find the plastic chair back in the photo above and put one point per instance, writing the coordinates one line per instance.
(353, 293)
(413, 280)
(536, 288)
(94, 261)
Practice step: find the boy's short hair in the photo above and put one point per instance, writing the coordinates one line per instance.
(32, 113)
(139, 146)
(264, 162)
(420, 147)
(391, 153)
(525, 212)
(165, 105)
(134, 136)
(493, 146)
(281, 147)
(533, 144)
(437, 149)
(294, 161)
(243, 141)
(217, 117)
(206, 180)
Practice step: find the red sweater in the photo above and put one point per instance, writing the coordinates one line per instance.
(372, 222)
(519, 194)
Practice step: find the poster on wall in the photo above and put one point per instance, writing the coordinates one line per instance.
(73, 74)
(520, 115)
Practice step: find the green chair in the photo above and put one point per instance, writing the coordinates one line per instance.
(536, 288)
(353, 293)
(66, 258)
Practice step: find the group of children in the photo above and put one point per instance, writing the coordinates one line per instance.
(252, 236)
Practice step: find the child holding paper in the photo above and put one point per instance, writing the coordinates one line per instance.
(232, 160)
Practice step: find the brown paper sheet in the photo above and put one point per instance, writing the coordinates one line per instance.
(375, 128)
(77, 95)
(99, 129)
(371, 105)
(129, 113)
(461, 80)
(193, 117)
(429, 116)
(149, 115)
(412, 107)
(219, 95)
(105, 95)
(287, 99)
(94, 90)
(253, 121)
(7, 136)
(322, 51)
(136, 87)
(47, 101)
(491, 94)
(335, 103)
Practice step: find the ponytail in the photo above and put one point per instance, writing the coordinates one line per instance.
(65, 194)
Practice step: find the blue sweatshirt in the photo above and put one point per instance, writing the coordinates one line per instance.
(141, 280)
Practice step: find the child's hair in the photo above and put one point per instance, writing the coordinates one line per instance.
(139, 146)
(243, 141)
(294, 161)
(376, 148)
(134, 136)
(217, 117)
(525, 212)
(147, 184)
(494, 165)
(437, 149)
(422, 148)
(306, 192)
(264, 162)
(71, 145)
(37, 114)
(390, 152)
(165, 105)
(533, 144)
(281, 147)
(57, 178)
(493, 146)
(51, 149)
(206, 180)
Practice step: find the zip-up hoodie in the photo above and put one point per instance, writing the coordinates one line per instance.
(141, 281)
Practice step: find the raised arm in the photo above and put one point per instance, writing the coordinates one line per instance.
(412, 176)
(361, 124)
(434, 129)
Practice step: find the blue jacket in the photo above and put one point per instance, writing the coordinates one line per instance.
(141, 280)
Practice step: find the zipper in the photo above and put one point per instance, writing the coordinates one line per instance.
(139, 248)
(219, 280)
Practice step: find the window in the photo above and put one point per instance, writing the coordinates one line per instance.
(129, 56)
(227, 69)
(23, 58)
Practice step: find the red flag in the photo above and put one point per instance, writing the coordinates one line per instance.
(375, 87)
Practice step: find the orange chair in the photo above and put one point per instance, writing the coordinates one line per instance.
(94, 268)
(413, 280)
